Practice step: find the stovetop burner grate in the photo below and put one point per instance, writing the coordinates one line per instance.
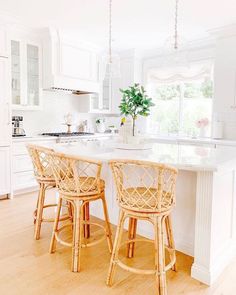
(65, 134)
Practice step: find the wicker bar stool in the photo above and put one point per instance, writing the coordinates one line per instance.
(145, 191)
(45, 178)
(78, 182)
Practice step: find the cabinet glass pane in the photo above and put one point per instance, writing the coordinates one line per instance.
(106, 94)
(15, 72)
(95, 101)
(32, 75)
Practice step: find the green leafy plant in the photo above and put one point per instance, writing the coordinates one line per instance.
(135, 102)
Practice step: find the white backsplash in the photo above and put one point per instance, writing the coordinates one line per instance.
(51, 118)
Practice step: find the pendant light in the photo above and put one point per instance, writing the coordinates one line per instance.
(175, 45)
(110, 65)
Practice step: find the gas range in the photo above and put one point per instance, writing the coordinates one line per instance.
(67, 137)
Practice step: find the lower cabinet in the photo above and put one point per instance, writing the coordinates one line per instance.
(23, 179)
(5, 171)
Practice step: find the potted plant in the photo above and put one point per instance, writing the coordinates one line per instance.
(134, 103)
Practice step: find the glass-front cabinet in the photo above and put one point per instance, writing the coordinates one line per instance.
(108, 100)
(25, 75)
(15, 73)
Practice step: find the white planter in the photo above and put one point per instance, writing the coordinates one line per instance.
(101, 128)
(202, 132)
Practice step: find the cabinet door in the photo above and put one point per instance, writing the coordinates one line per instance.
(3, 42)
(33, 77)
(5, 115)
(16, 72)
(4, 170)
(106, 94)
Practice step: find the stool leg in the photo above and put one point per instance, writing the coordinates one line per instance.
(170, 238)
(70, 212)
(86, 217)
(107, 223)
(39, 216)
(131, 235)
(77, 235)
(55, 227)
(115, 251)
(160, 256)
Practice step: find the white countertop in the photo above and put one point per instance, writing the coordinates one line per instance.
(189, 140)
(183, 157)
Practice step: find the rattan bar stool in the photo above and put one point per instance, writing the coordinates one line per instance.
(78, 182)
(145, 191)
(45, 179)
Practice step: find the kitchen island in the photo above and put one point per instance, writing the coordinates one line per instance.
(204, 217)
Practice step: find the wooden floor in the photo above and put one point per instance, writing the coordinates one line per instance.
(26, 267)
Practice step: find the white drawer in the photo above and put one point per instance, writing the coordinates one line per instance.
(19, 148)
(22, 163)
(23, 180)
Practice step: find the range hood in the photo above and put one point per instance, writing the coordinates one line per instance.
(69, 64)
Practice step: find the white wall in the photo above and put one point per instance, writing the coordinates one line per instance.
(51, 117)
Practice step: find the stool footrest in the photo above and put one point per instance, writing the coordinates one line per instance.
(62, 217)
(146, 271)
(84, 245)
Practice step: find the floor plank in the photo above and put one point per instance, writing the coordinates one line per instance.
(26, 267)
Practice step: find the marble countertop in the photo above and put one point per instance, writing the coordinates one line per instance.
(183, 157)
(189, 140)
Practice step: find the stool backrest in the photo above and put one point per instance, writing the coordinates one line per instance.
(76, 176)
(40, 160)
(144, 186)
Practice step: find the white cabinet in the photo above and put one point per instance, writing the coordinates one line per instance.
(25, 75)
(5, 112)
(108, 99)
(5, 171)
(23, 179)
(3, 42)
(5, 128)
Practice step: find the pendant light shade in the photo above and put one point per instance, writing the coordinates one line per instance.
(174, 47)
(110, 62)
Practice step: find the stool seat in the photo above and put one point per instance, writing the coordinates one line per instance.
(143, 199)
(88, 185)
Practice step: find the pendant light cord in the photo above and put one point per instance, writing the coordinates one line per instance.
(176, 24)
(110, 31)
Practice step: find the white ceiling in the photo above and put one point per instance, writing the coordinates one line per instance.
(142, 24)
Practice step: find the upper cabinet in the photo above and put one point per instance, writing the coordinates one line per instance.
(3, 41)
(5, 112)
(108, 99)
(69, 63)
(26, 74)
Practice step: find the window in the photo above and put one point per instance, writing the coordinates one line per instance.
(180, 104)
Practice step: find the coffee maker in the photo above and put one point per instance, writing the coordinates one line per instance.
(17, 126)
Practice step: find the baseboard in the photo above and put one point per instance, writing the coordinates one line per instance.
(25, 190)
(209, 277)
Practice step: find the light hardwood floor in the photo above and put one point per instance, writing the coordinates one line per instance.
(26, 267)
